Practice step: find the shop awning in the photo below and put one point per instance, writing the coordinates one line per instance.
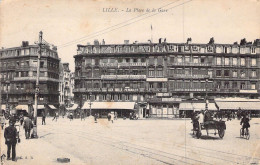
(109, 105)
(3, 106)
(250, 105)
(39, 107)
(185, 107)
(74, 107)
(22, 107)
(52, 107)
(202, 106)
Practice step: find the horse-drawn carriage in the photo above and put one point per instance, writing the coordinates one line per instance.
(219, 126)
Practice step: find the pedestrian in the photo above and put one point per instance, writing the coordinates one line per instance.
(109, 116)
(28, 125)
(82, 116)
(112, 117)
(43, 118)
(95, 117)
(2, 120)
(11, 135)
(56, 115)
(21, 119)
(71, 116)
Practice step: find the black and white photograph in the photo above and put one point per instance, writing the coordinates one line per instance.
(130, 82)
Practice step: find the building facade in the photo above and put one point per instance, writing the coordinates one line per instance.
(18, 75)
(159, 77)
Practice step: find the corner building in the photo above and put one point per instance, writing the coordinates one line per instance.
(18, 77)
(164, 79)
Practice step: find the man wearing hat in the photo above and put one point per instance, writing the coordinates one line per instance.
(10, 135)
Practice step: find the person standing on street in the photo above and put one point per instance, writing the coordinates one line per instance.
(10, 135)
(112, 117)
(28, 125)
(2, 119)
(56, 115)
(43, 118)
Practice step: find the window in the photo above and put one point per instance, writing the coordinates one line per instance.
(243, 62)
(127, 97)
(226, 61)
(243, 74)
(159, 72)
(218, 73)
(151, 72)
(150, 85)
(226, 73)
(253, 86)
(196, 60)
(179, 59)
(226, 85)
(142, 59)
(187, 59)
(104, 97)
(253, 73)
(253, 62)
(134, 97)
(218, 60)
(22, 86)
(218, 85)
(242, 86)
(234, 85)
(112, 97)
(41, 64)
(127, 59)
(234, 73)
(119, 97)
(135, 60)
(234, 61)
(17, 63)
(27, 63)
(202, 60)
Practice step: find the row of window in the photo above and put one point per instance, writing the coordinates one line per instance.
(26, 52)
(166, 48)
(11, 75)
(30, 63)
(234, 73)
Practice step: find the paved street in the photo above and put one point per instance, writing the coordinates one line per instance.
(136, 142)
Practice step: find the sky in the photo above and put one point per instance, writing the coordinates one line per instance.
(66, 23)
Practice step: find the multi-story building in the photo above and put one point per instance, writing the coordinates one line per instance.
(18, 76)
(72, 82)
(164, 79)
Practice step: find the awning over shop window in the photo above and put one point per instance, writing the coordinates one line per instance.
(39, 107)
(52, 107)
(202, 106)
(109, 105)
(74, 107)
(185, 107)
(238, 105)
(22, 107)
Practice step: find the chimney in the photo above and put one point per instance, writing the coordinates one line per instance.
(189, 40)
(96, 42)
(103, 42)
(25, 43)
(126, 42)
(160, 40)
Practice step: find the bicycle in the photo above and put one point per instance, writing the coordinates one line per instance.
(246, 133)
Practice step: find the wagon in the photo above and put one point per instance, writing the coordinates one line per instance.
(218, 126)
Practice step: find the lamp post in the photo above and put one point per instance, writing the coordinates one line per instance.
(90, 103)
(7, 97)
(206, 98)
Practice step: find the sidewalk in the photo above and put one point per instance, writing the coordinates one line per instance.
(36, 151)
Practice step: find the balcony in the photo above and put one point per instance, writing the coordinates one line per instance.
(34, 79)
(190, 76)
(123, 77)
(187, 64)
(79, 90)
(108, 64)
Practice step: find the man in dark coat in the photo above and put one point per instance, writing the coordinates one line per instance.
(28, 125)
(10, 135)
(43, 118)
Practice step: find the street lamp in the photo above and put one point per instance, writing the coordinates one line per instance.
(90, 103)
(206, 98)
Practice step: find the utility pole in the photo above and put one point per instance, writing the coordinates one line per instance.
(37, 90)
(1, 95)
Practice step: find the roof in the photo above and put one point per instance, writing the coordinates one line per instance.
(109, 105)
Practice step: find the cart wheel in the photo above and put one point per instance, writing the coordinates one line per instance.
(221, 133)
